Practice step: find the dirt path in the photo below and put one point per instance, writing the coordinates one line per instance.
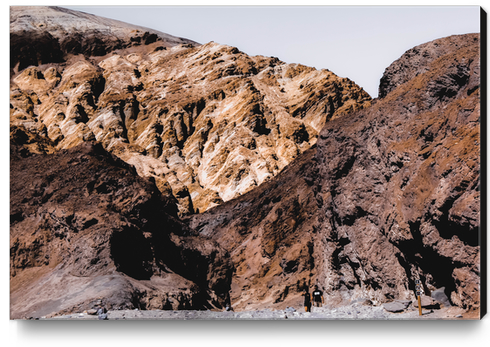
(355, 311)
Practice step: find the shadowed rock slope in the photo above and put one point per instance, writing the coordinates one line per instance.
(41, 35)
(207, 122)
(85, 228)
(389, 195)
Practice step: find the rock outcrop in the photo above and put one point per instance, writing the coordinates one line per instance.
(119, 131)
(84, 227)
(207, 122)
(389, 195)
(42, 35)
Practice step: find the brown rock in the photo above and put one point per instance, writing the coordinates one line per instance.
(304, 181)
(389, 194)
(206, 121)
(85, 230)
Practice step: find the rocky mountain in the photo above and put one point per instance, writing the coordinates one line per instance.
(86, 229)
(207, 122)
(153, 172)
(42, 35)
(389, 195)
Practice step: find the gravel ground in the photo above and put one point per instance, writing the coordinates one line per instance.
(355, 311)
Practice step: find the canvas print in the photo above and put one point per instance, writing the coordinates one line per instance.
(157, 176)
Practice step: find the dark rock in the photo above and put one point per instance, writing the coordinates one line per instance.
(34, 48)
(418, 60)
(388, 192)
(88, 214)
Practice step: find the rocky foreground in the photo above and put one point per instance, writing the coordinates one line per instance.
(354, 311)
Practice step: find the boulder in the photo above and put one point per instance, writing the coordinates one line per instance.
(440, 296)
(396, 306)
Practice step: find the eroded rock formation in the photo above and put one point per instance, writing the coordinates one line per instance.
(207, 122)
(42, 35)
(85, 227)
(303, 178)
(390, 194)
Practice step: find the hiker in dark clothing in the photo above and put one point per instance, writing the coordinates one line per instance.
(306, 294)
(317, 297)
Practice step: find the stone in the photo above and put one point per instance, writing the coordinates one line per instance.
(298, 176)
(396, 306)
(427, 302)
(440, 296)
(135, 250)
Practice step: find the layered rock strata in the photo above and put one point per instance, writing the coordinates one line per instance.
(389, 195)
(207, 122)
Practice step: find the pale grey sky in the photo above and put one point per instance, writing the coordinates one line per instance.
(355, 42)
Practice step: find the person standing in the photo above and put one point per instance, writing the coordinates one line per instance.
(307, 296)
(317, 297)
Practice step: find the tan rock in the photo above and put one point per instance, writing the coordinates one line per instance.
(218, 122)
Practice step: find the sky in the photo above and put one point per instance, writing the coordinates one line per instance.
(357, 42)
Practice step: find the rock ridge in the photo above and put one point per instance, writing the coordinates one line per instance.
(389, 195)
(207, 122)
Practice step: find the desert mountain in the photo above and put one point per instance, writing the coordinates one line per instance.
(86, 229)
(41, 35)
(389, 195)
(207, 122)
(118, 132)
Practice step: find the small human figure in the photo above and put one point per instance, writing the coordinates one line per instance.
(307, 296)
(317, 297)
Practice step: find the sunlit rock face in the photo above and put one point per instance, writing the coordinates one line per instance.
(389, 195)
(207, 122)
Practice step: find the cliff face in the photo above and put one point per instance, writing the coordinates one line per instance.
(85, 227)
(207, 122)
(303, 178)
(390, 194)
